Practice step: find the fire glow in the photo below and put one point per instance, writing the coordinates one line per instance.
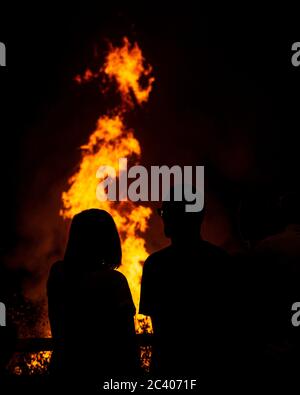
(123, 66)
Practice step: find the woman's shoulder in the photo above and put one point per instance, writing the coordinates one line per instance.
(119, 288)
(118, 276)
(115, 277)
(104, 279)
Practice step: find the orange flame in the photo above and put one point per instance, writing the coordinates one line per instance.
(126, 66)
(110, 141)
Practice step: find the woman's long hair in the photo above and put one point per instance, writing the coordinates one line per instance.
(93, 242)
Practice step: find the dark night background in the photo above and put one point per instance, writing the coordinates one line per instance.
(226, 95)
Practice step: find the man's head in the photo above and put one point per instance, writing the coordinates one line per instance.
(180, 225)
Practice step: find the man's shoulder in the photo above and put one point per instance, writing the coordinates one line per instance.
(158, 256)
(158, 261)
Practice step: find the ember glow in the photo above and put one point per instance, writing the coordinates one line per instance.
(124, 67)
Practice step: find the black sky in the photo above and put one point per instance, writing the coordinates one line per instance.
(226, 95)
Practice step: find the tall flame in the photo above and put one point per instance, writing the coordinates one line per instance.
(110, 141)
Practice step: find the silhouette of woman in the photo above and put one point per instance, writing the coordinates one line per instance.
(90, 305)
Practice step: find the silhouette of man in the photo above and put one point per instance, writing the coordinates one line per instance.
(183, 290)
